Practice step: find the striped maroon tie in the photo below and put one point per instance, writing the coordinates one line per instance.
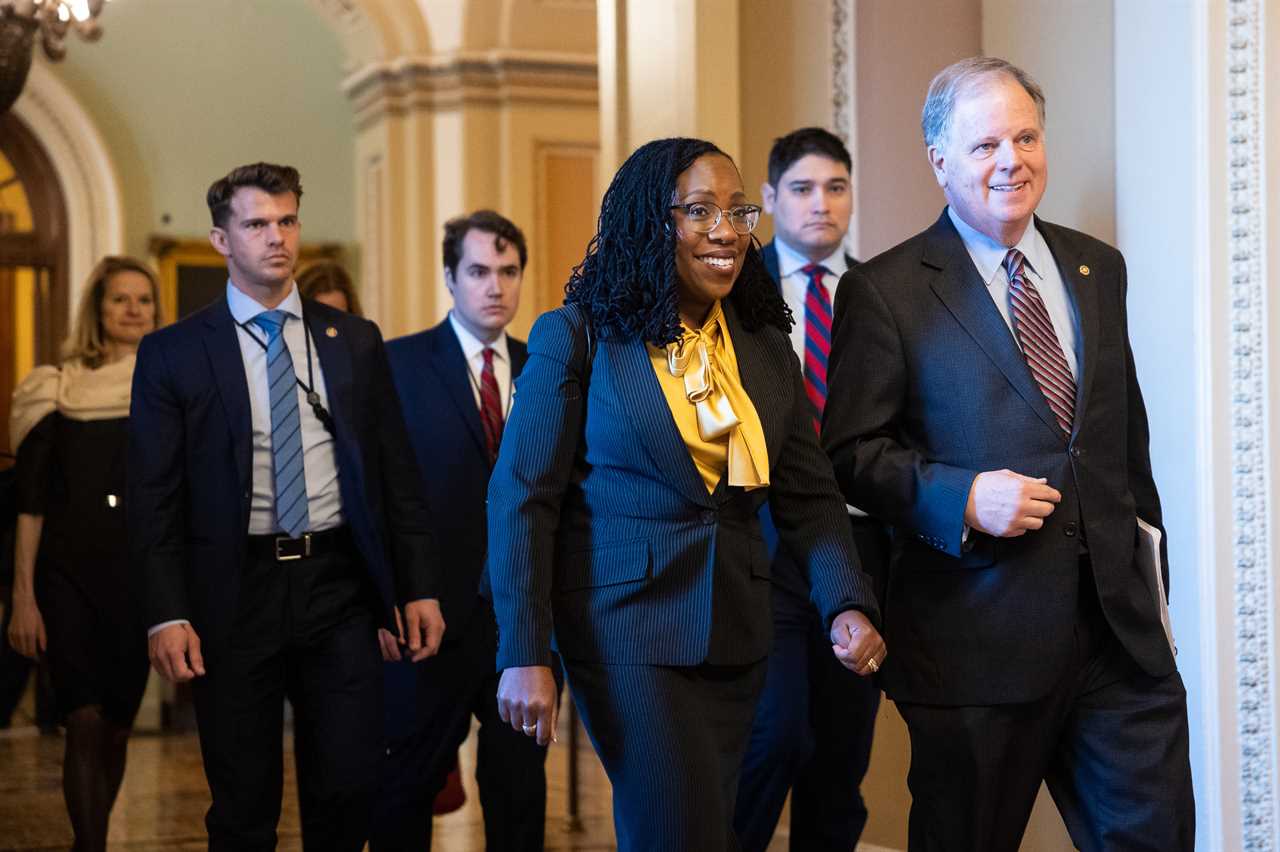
(1039, 343)
(490, 407)
(817, 340)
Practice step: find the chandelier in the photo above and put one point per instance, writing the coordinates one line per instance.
(20, 20)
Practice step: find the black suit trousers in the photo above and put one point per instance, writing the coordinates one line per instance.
(811, 738)
(429, 710)
(305, 630)
(1110, 741)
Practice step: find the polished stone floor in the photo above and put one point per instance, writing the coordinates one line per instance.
(162, 804)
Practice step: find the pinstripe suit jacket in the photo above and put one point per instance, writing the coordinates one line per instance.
(601, 528)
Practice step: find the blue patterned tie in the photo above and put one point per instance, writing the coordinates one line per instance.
(286, 428)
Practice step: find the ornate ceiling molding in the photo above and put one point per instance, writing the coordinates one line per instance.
(497, 77)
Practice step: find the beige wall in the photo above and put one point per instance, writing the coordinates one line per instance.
(182, 95)
(1069, 49)
(899, 47)
(495, 107)
(783, 87)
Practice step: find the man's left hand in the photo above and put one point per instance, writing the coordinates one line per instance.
(424, 625)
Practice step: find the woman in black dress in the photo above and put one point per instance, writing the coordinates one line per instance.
(71, 594)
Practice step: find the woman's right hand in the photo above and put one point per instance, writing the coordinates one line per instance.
(26, 628)
(856, 643)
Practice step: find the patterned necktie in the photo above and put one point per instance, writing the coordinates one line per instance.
(490, 406)
(1040, 344)
(292, 514)
(817, 340)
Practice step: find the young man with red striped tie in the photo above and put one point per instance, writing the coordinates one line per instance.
(455, 382)
(814, 724)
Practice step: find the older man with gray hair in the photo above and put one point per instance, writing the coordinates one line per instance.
(983, 402)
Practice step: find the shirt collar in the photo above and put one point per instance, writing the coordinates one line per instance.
(790, 261)
(988, 255)
(244, 307)
(473, 346)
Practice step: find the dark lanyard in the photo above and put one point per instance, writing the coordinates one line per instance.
(313, 398)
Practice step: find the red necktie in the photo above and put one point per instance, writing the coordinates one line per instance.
(817, 340)
(490, 406)
(1039, 343)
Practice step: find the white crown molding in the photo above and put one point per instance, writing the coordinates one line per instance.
(90, 184)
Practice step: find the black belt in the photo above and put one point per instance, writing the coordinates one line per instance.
(282, 548)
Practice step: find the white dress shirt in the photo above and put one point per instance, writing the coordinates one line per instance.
(795, 283)
(320, 467)
(473, 350)
(1040, 269)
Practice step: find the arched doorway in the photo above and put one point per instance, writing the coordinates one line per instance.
(33, 259)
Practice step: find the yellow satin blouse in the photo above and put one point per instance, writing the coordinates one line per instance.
(699, 377)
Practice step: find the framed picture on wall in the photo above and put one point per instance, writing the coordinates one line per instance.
(192, 274)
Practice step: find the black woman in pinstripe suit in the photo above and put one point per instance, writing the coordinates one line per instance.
(660, 407)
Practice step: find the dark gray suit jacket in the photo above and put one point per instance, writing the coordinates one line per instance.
(601, 527)
(928, 388)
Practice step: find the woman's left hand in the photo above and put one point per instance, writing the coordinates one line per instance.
(856, 643)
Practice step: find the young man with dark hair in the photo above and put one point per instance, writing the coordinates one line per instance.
(276, 520)
(814, 724)
(455, 383)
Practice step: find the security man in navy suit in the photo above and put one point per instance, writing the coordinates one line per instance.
(276, 520)
(455, 383)
(814, 725)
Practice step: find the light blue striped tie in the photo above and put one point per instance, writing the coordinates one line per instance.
(286, 428)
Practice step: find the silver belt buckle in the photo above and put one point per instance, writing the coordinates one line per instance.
(290, 557)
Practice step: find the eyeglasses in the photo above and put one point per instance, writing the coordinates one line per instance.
(704, 217)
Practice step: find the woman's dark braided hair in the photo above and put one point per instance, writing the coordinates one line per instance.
(627, 283)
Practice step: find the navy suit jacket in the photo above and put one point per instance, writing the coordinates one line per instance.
(868, 535)
(769, 254)
(432, 379)
(190, 454)
(601, 527)
(928, 388)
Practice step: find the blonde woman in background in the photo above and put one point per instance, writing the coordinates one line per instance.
(327, 282)
(71, 594)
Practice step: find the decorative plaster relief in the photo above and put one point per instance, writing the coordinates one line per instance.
(842, 70)
(1251, 544)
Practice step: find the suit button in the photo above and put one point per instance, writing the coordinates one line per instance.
(1070, 529)
(1075, 452)
(708, 517)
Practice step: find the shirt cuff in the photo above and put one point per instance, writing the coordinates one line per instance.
(154, 629)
